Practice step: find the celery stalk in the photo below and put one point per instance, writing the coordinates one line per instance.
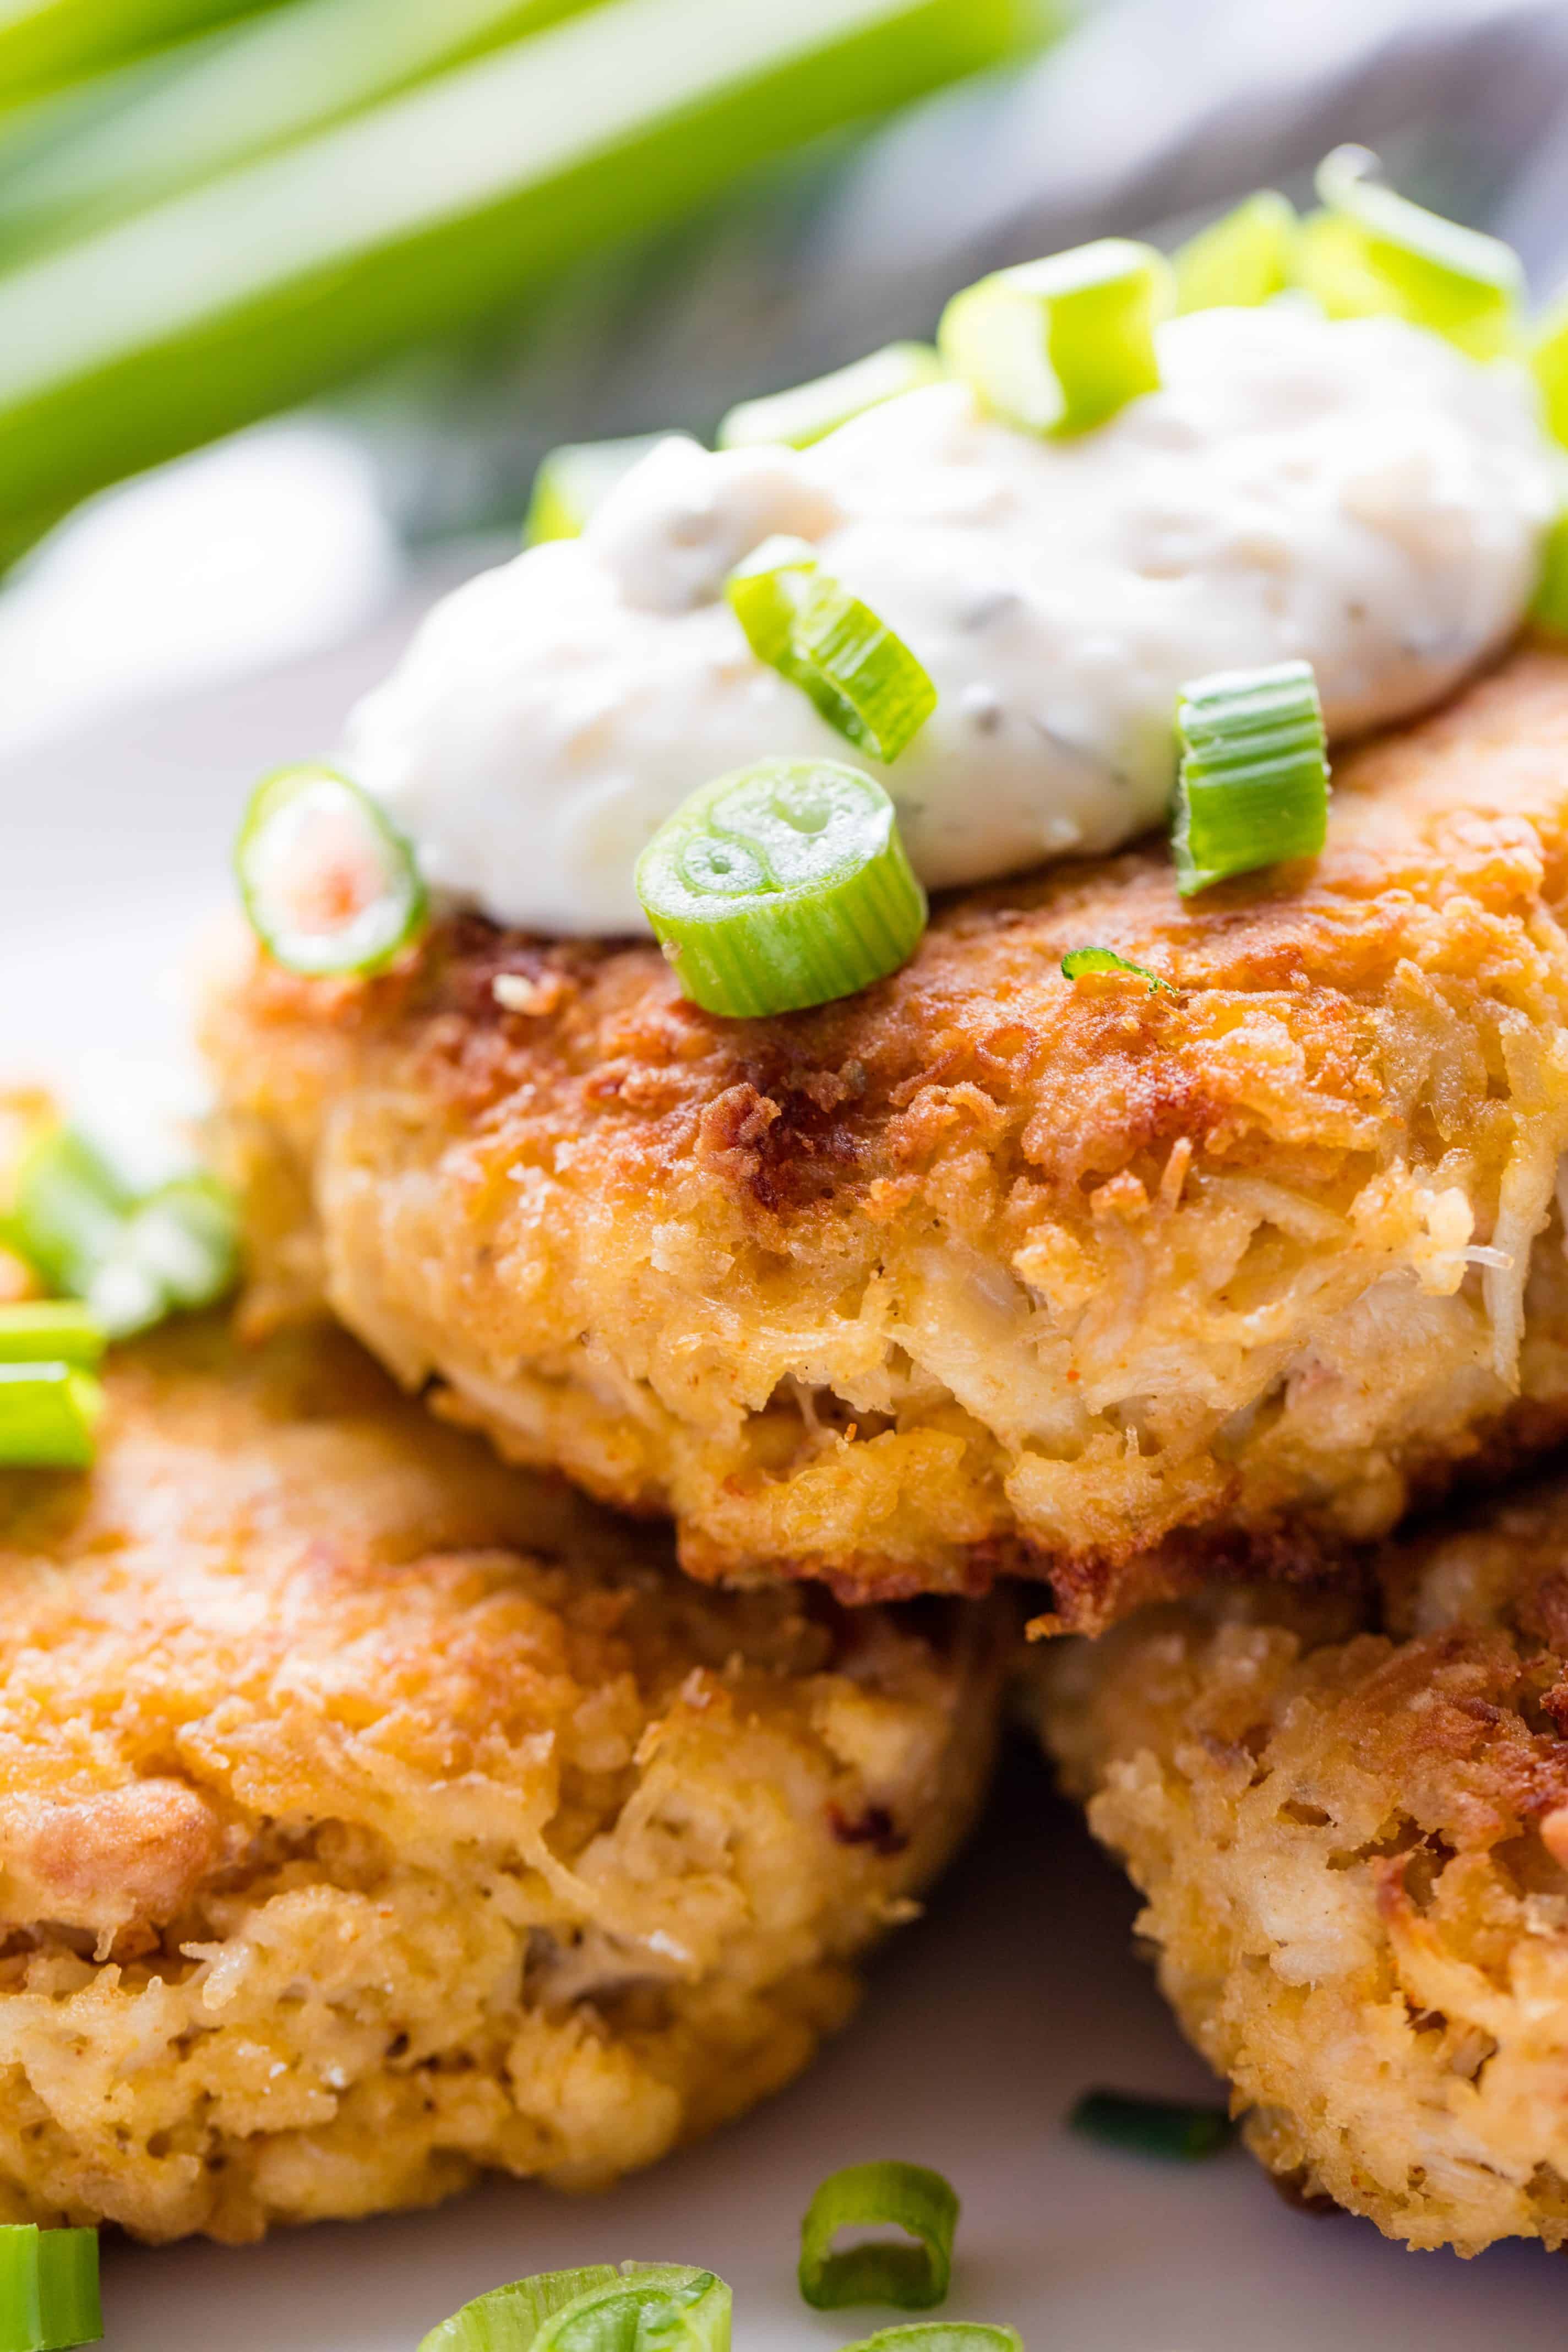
(244, 91)
(260, 288)
(45, 43)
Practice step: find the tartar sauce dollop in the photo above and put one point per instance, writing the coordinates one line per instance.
(1355, 493)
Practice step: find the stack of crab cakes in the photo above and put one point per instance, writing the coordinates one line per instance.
(1172, 1299)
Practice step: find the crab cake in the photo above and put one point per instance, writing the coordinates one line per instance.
(1353, 1845)
(371, 1814)
(983, 1269)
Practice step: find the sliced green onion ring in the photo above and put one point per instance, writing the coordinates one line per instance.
(863, 678)
(1377, 251)
(641, 2307)
(1172, 2128)
(48, 2288)
(132, 1259)
(1079, 961)
(47, 1414)
(780, 885)
(890, 2195)
(1253, 786)
(1057, 346)
(576, 480)
(328, 881)
(51, 1331)
(1240, 260)
(941, 2336)
(809, 412)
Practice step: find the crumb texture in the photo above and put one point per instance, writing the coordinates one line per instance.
(371, 1813)
(1350, 1821)
(982, 1270)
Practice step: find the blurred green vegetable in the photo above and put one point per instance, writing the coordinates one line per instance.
(239, 94)
(572, 480)
(264, 285)
(46, 43)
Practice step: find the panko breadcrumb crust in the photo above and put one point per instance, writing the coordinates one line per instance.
(982, 1270)
(371, 1814)
(1353, 1847)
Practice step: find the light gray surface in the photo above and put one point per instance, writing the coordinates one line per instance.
(982, 2024)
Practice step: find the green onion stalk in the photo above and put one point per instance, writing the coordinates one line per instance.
(165, 124)
(284, 275)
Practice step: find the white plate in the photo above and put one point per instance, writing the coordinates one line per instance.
(980, 2025)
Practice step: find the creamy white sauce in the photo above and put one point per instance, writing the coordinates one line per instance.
(1358, 494)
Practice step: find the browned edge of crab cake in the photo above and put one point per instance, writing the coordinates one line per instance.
(1350, 1823)
(372, 1814)
(982, 1270)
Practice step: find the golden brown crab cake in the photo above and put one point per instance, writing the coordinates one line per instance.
(983, 1269)
(1353, 1845)
(371, 1813)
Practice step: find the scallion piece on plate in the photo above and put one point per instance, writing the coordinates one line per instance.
(1549, 607)
(799, 620)
(904, 2196)
(941, 2335)
(641, 2307)
(1239, 260)
(132, 1258)
(780, 885)
(809, 412)
(1057, 346)
(1253, 785)
(574, 479)
(329, 883)
(48, 2288)
(1373, 250)
(1163, 2127)
(47, 1414)
(1079, 962)
(50, 1331)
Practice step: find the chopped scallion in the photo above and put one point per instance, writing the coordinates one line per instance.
(50, 1331)
(797, 619)
(941, 2335)
(48, 2288)
(809, 412)
(1163, 2127)
(1253, 786)
(47, 1414)
(1057, 346)
(1548, 608)
(1240, 260)
(782, 885)
(574, 479)
(1373, 250)
(131, 1258)
(329, 883)
(871, 2196)
(1549, 358)
(1078, 962)
(641, 2307)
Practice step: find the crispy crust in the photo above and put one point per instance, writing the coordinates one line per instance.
(982, 1270)
(1349, 1819)
(371, 1814)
